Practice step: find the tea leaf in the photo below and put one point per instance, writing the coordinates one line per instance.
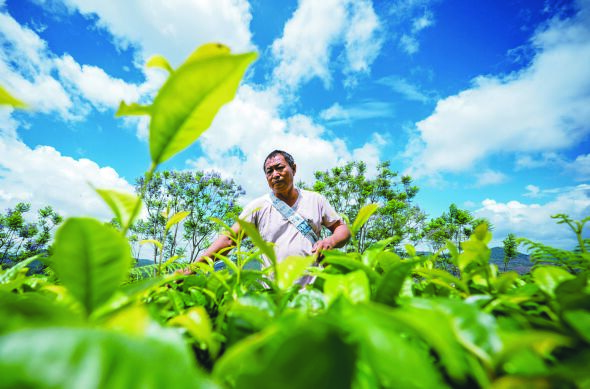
(363, 216)
(158, 61)
(7, 99)
(122, 204)
(91, 259)
(90, 358)
(291, 269)
(176, 218)
(189, 100)
(133, 109)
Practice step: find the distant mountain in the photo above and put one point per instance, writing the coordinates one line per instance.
(521, 264)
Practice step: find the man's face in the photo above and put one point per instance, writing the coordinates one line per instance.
(279, 174)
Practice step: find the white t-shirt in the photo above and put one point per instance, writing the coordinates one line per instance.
(275, 228)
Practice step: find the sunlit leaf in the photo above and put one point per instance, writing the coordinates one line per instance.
(291, 268)
(255, 237)
(7, 99)
(177, 218)
(91, 259)
(363, 216)
(133, 109)
(391, 283)
(549, 277)
(123, 205)
(158, 61)
(91, 358)
(190, 98)
(354, 286)
(198, 324)
(156, 243)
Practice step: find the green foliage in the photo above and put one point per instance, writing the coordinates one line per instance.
(510, 249)
(376, 316)
(199, 197)
(19, 238)
(91, 259)
(349, 190)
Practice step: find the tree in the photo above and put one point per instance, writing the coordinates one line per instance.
(510, 249)
(456, 225)
(348, 189)
(204, 195)
(19, 238)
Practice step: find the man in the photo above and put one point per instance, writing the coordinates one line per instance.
(273, 226)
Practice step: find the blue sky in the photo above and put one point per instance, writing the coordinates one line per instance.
(486, 104)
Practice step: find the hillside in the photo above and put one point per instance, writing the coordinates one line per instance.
(521, 264)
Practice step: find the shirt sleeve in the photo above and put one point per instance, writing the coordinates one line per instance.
(329, 214)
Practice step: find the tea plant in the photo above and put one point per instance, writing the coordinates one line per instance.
(373, 318)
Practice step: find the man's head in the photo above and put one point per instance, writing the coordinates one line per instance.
(288, 158)
(279, 169)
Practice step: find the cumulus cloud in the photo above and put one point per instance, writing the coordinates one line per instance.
(534, 221)
(305, 50)
(542, 108)
(25, 70)
(490, 177)
(60, 85)
(42, 176)
(250, 127)
(173, 28)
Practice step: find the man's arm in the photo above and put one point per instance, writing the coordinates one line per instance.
(340, 235)
(222, 244)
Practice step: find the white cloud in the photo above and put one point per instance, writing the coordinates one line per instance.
(60, 85)
(534, 221)
(25, 70)
(336, 114)
(532, 191)
(580, 167)
(316, 27)
(172, 28)
(490, 177)
(406, 89)
(250, 127)
(538, 109)
(42, 176)
(95, 85)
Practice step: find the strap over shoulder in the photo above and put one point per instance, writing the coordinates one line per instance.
(294, 218)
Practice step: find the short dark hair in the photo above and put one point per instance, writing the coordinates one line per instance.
(288, 157)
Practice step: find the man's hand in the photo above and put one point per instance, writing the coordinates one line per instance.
(322, 245)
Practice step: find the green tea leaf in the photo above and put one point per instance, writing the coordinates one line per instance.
(158, 61)
(280, 357)
(291, 268)
(189, 100)
(7, 99)
(176, 218)
(363, 216)
(387, 353)
(354, 286)
(391, 283)
(198, 324)
(133, 109)
(90, 358)
(549, 277)
(255, 237)
(152, 241)
(122, 204)
(580, 321)
(91, 259)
